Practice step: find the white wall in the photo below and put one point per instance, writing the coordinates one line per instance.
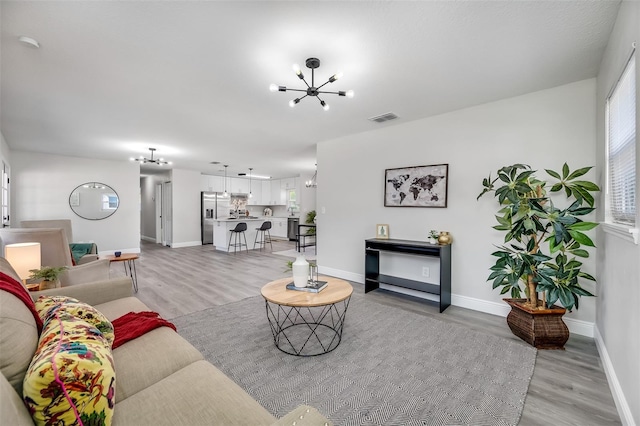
(542, 129)
(5, 152)
(618, 317)
(40, 188)
(186, 208)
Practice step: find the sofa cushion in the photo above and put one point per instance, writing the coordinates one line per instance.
(149, 359)
(18, 334)
(71, 379)
(117, 308)
(198, 394)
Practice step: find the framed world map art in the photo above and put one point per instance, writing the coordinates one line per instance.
(419, 186)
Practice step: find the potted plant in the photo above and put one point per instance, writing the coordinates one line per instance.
(543, 245)
(49, 275)
(433, 236)
(311, 219)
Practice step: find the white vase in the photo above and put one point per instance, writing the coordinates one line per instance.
(300, 270)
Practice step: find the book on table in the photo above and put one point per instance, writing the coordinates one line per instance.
(312, 286)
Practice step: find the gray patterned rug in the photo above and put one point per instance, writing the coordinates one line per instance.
(392, 368)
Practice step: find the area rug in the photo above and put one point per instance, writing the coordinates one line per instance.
(309, 253)
(392, 367)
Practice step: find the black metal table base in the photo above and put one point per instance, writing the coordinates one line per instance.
(307, 331)
(130, 264)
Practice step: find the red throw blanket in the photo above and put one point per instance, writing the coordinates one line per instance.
(10, 285)
(134, 324)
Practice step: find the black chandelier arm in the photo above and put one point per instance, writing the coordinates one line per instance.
(332, 93)
(327, 82)
(297, 90)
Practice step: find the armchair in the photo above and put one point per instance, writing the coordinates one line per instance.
(55, 252)
(88, 256)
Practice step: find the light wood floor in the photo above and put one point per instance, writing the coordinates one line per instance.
(568, 387)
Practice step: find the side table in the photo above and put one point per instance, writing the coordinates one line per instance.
(129, 260)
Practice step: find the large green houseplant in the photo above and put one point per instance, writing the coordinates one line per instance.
(543, 242)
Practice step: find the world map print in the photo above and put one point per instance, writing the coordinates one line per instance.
(421, 186)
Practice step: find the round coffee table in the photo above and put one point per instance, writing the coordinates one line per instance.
(305, 323)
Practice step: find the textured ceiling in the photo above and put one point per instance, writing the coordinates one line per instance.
(112, 79)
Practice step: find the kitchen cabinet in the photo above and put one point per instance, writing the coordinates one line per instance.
(266, 193)
(255, 190)
(279, 227)
(238, 186)
(211, 183)
(277, 193)
(288, 183)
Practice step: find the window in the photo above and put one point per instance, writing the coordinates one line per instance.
(621, 148)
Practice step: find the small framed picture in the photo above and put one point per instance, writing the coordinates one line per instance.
(382, 231)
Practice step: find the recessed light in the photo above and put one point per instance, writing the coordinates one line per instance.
(31, 42)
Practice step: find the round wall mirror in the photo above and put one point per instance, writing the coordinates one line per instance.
(94, 201)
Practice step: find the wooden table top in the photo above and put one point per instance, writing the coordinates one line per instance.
(336, 291)
(122, 258)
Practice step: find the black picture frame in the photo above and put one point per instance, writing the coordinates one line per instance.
(417, 186)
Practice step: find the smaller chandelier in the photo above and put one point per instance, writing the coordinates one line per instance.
(311, 90)
(158, 161)
(313, 183)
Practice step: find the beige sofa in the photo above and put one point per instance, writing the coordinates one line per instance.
(160, 378)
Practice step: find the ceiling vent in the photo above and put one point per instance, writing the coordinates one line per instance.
(383, 117)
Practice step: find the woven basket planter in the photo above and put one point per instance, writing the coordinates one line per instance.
(542, 328)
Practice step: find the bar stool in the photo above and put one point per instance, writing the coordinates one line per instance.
(235, 235)
(265, 235)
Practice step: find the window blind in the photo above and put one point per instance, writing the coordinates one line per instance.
(621, 144)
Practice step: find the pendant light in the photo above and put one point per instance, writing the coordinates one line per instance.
(225, 194)
(250, 194)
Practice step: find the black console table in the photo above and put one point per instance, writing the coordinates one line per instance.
(373, 277)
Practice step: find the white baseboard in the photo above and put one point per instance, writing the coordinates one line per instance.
(582, 328)
(150, 239)
(124, 250)
(349, 276)
(186, 244)
(488, 307)
(616, 390)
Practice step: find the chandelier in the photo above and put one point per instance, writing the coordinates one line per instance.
(312, 90)
(313, 183)
(158, 161)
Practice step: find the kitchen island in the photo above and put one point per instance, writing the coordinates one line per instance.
(222, 228)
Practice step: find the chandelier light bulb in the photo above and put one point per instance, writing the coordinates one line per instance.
(296, 69)
(325, 106)
(293, 102)
(273, 87)
(350, 94)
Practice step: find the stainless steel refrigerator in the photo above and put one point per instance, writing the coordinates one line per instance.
(213, 206)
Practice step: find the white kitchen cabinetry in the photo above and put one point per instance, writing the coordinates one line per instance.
(266, 193)
(289, 183)
(211, 183)
(255, 190)
(238, 186)
(277, 193)
(279, 227)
